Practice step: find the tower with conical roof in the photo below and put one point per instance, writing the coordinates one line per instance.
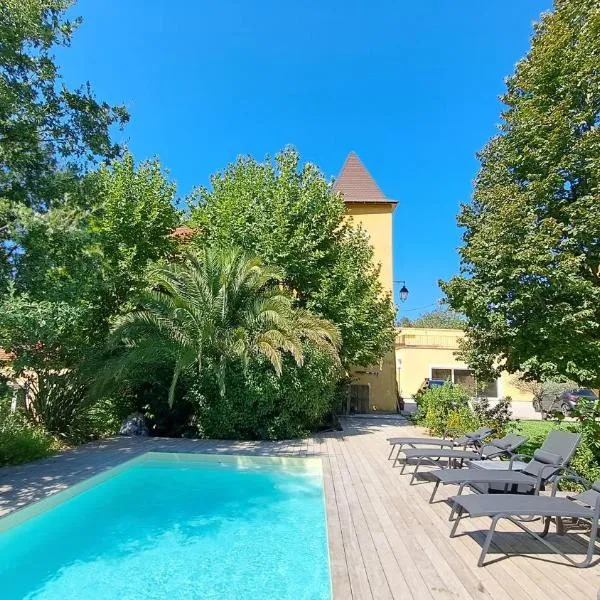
(373, 388)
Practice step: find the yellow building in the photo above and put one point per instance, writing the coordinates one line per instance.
(373, 388)
(431, 353)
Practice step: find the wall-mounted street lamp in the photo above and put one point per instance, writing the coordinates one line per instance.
(403, 293)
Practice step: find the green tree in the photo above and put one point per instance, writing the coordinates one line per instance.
(214, 308)
(82, 266)
(289, 217)
(439, 319)
(49, 134)
(530, 283)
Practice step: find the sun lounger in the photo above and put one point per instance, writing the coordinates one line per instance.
(471, 438)
(547, 462)
(516, 507)
(495, 448)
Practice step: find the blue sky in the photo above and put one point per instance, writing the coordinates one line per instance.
(412, 87)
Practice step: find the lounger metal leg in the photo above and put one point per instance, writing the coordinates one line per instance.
(547, 521)
(435, 489)
(591, 546)
(392, 451)
(398, 455)
(403, 465)
(488, 540)
(415, 471)
(459, 516)
(454, 505)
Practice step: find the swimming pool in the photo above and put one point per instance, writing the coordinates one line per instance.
(174, 526)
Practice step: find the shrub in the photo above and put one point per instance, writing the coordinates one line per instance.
(460, 420)
(448, 409)
(497, 416)
(20, 440)
(438, 404)
(587, 459)
(61, 405)
(148, 394)
(256, 404)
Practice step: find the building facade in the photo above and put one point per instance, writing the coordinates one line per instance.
(431, 353)
(373, 388)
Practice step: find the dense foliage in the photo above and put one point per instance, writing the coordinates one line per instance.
(81, 265)
(49, 134)
(257, 404)
(450, 410)
(20, 440)
(289, 216)
(531, 256)
(212, 309)
(436, 319)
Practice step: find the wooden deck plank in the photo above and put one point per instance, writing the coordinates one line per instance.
(415, 567)
(340, 579)
(394, 575)
(359, 582)
(371, 559)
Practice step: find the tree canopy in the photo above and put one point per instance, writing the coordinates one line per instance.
(530, 282)
(288, 215)
(49, 134)
(78, 267)
(438, 319)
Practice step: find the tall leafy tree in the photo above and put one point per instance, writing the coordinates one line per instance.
(84, 265)
(209, 310)
(49, 134)
(530, 283)
(289, 216)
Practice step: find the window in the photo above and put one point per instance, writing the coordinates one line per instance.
(441, 374)
(490, 390)
(466, 379)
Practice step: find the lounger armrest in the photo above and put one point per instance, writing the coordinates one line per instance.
(519, 457)
(554, 470)
(570, 475)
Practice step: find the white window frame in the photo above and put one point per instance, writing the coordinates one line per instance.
(461, 367)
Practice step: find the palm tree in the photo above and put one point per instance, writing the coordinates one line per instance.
(213, 307)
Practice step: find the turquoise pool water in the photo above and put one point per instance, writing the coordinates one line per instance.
(185, 529)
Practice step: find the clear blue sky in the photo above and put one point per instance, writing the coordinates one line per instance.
(412, 87)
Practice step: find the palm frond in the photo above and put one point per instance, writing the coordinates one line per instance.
(217, 305)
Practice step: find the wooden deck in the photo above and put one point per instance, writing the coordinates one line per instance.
(386, 541)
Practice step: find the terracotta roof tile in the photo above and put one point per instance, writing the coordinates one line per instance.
(356, 183)
(5, 356)
(182, 233)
